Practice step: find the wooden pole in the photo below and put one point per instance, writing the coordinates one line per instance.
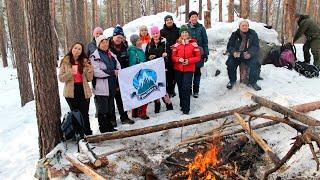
(84, 168)
(257, 138)
(169, 125)
(286, 111)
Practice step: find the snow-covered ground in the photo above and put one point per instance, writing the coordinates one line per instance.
(19, 137)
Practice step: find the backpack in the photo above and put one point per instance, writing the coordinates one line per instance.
(306, 69)
(72, 125)
(287, 56)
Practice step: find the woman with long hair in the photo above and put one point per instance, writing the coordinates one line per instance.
(76, 72)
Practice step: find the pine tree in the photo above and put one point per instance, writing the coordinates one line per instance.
(3, 47)
(230, 11)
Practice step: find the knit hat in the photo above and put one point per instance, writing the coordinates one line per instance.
(118, 31)
(193, 13)
(155, 30)
(97, 30)
(183, 28)
(100, 38)
(168, 16)
(143, 27)
(134, 38)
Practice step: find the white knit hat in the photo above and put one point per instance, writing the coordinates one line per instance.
(99, 39)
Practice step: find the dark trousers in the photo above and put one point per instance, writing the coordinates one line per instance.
(170, 80)
(184, 81)
(314, 45)
(196, 79)
(82, 104)
(123, 114)
(105, 108)
(253, 68)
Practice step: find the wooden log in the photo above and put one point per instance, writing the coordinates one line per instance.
(169, 125)
(303, 108)
(285, 111)
(84, 168)
(85, 149)
(113, 152)
(257, 138)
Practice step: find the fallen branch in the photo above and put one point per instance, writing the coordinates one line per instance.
(84, 168)
(285, 111)
(257, 139)
(169, 125)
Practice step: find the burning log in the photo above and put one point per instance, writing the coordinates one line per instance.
(84, 168)
(286, 111)
(258, 139)
(85, 149)
(169, 125)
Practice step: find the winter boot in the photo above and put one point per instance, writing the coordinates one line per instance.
(169, 107)
(255, 86)
(105, 124)
(113, 121)
(157, 106)
(230, 85)
(126, 120)
(195, 91)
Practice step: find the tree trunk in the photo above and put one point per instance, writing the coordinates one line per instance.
(230, 11)
(65, 27)
(169, 125)
(308, 7)
(270, 12)
(81, 24)
(85, 19)
(3, 47)
(278, 14)
(316, 12)
(143, 7)
(46, 87)
(17, 28)
(289, 10)
(220, 10)
(187, 11)
(207, 19)
(73, 23)
(119, 17)
(155, 6)
(178, 3)
(245, 9)
(260, 11)
(55, 45)
(26, 31)
(209, 5)
(94, 14)
(200, 9)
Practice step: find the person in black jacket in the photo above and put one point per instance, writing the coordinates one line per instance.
(158, 47)
(171, 32)
(243, 46)
(118, 47)
(91, 47)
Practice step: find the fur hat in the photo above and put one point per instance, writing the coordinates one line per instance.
(100, 38)
(118, 31)
(134, 38)
(183, 28)
(167, 17)
(97, 30)
(193, 13)
(155, 29)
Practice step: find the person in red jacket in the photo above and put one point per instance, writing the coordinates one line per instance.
(185, 55)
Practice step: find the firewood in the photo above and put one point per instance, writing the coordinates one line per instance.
(54, 173)
(169, 125)
(84, 168)
(286, 111)
(257, 139)
(113, 152)
(303, 108)
(85, 149)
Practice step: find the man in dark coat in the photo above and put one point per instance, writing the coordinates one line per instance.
(312, 33)
(243, 47)
(198, 32)
(171, 32)
(91, 47)
(119, 46)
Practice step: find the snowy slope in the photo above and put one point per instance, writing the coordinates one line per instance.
(18, 131)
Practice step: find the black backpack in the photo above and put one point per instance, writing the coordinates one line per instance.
(306, 69)
(72, 125)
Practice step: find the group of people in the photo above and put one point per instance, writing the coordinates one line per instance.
(184, 50)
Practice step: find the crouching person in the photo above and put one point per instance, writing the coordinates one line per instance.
(76, 72)
(243, 46)
(185, 55)
(105, 71)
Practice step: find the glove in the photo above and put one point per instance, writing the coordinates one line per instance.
(236, 54)
(246, 55)
(205, 58)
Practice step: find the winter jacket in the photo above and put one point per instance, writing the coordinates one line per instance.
(136, 56)
(102, 74)
(120, 52)
(91, 47)
(171, 34)
(307, 27)
(158, 49)
(66, 76)
(188, 50)
(198, 32)
(252, 45)
(145, 39)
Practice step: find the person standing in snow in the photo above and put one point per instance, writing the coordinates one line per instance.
(171, 32)
(198, 32)
(118, 47)
(136, 56)
(144, 36)
(91, 47)
(312, 33)
(243, 47)
(104, 84)
(76, 71)
(158, 47)
(185, 55)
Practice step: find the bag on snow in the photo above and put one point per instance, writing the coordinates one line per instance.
(72, 125)
(287, 56)
(306, 69)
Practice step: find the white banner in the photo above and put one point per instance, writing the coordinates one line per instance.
(142, 83)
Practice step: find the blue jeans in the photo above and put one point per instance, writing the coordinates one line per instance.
(184, 81)
(252, 64)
